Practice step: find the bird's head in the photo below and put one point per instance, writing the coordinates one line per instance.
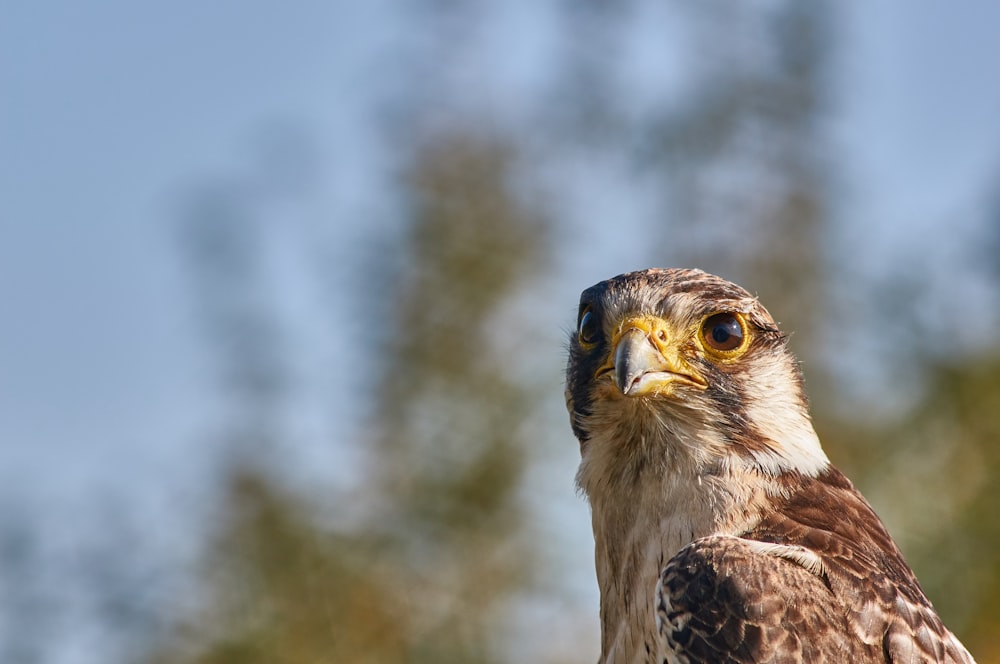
(679, 369)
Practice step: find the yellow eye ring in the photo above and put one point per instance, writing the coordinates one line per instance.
(724, 334)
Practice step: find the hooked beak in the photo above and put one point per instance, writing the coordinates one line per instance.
(646, 360)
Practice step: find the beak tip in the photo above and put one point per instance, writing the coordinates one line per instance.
(625, 382)
(633, 354)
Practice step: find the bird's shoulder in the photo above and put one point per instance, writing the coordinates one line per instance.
(818, 579)
(723, 599)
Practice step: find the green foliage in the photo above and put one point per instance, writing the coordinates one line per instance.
(962, 417)
(288, 591)
(449, 455)
(932, 476)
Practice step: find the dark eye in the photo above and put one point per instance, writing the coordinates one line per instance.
(722, 332)
(589, 329)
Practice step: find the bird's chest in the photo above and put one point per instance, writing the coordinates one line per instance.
(632, 548)
(635, 538)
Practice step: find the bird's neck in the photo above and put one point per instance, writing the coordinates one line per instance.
(658, 480)
(651, 493)
(637, 531)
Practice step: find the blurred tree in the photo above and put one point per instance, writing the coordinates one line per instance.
(426, 571)
(222, 236)
(950, 443)
(434, 548)
(747, 186)
(586, 107)
(449, 455)
(283, 589)
(23, 625)
(932, 473)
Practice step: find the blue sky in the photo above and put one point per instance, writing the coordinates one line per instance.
(111, 110)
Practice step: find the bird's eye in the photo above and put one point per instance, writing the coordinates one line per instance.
(723, 332)
(590, 328)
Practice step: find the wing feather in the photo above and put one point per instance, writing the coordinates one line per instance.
(801, 587)
(723, 600)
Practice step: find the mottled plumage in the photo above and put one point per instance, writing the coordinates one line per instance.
(722, 533)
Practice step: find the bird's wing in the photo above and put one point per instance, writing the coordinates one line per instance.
(719, 600)
(728, 599)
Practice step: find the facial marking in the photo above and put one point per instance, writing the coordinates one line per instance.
(706, 362)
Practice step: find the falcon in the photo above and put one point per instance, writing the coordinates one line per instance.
(722, 532)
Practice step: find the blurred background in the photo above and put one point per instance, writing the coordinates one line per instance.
(285, 288)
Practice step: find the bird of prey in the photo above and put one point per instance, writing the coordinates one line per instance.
(722, 532)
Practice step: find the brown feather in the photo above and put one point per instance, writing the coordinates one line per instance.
(722, 532)
(723, 598)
